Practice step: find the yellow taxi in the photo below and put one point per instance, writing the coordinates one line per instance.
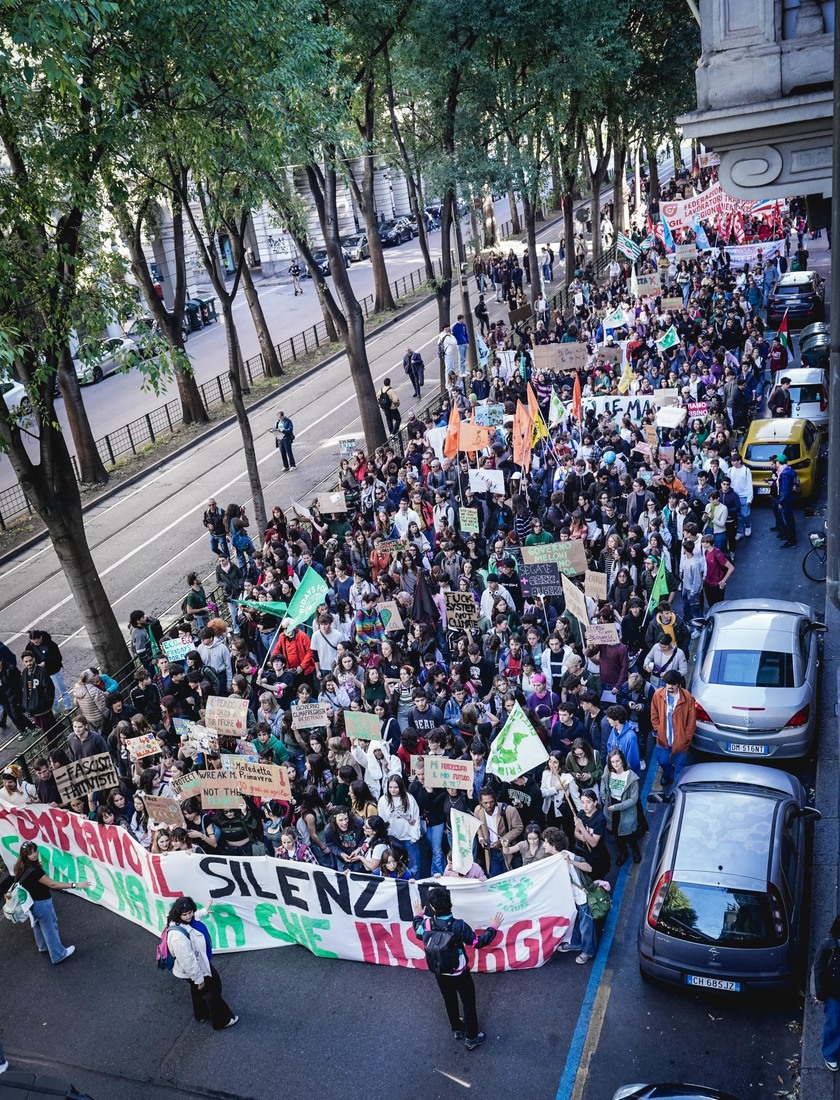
(798, 440)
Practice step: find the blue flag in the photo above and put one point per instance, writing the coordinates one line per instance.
(700, 234)
(667, 237)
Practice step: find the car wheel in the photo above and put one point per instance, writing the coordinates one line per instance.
(347, 261)
(97, 375)
(185, 335)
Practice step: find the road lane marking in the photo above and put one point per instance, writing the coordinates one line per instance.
(452, 1077)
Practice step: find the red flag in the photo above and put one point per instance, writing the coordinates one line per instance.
(738, 227)
(649, 224)
(577, 404)
(451, 444)
(778, 227)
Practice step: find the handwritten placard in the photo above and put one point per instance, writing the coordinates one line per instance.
(685, 252)
(185, 786)
(366, 727)
(390, 617)
(461, 610)
(331, 503)
(442, 772)
(570, 556)
(144, 745)
(568, 357)
(227, 716)
(487, 481)
(610, 354)
(648, 284)
(698, 410)
(307, 715)
(602, 634)
(165, 811)
(348, 447)
(575, 601)
(175, 650)
(262, 780)
(650, 434)
(490, 416)
(82, 777)
(595, 584)
(391, 546)
(670, 305)
(468, 520)
(220, 791)
(541, 578)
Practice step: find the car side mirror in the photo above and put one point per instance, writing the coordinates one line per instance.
(658, 799)
(699, 624)
(819, 628)
(808, 813)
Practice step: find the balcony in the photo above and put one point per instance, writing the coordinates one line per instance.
(764, 95)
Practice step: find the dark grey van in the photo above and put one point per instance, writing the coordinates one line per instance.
(723, 909)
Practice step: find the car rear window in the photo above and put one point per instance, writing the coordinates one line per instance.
(792, 290)
(763, 452)
(811, 394)
(751, 668)
(717, 915)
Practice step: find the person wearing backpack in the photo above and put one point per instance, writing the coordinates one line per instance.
(389, 402)
(185, 949)
(825, 989)
(444, 940)
(29, 874)
(415, 368)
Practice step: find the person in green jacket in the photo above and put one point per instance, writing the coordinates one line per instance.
(265, 739)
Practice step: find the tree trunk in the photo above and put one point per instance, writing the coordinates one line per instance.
(516, 225)
(675, 142)
(653, 175)
(234, 358)
(556, 185)
(569, 228)
(474, 230)
(528, 214)
(329, 323)
(271, 364)
(383, 299)
(443, 285)
(54, 492)
(595, 207)
(488, 210)
(91, 467)
(619, 205)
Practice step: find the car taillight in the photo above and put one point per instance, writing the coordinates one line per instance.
(700, 713)
(801, 717)
(823, 400)
(777, 913)
(658, 899)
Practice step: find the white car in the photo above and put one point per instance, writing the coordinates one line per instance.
(809, 395)
(15, 397)
(98, 358)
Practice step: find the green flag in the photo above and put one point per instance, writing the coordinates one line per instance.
(556, 410)
(310, 593)
(517, 748)
(270, 607)
(614, 319)
(464, 828)
(660, 587)
(628, 246)
(669, 340)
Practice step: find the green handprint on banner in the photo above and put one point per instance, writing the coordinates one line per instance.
(514, 893)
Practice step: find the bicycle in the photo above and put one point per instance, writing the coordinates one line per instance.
(814, 562)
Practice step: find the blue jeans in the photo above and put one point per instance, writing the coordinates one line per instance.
(671, 763)
(720, 540)
(434, 835)
(585, 936)
(62, 695)
(744, 518)
(218, 545)
(45, 926)
(692, 608)
(462, 357)
(497, 863)
(413, 850)
(831, 1030)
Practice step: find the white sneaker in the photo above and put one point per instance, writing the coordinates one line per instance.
(738, 537)
(4, 1067)
(643, 765)
(70, 951)
(748, 531)
(232, 1021)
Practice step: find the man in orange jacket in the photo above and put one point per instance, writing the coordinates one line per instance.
(294, 647)
(674, 721)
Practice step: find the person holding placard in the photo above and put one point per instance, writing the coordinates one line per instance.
(188, 941)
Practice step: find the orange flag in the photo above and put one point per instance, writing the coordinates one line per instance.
(474, 437)
(451, 444)
(522, 429)
(577, 404)
(533, 407)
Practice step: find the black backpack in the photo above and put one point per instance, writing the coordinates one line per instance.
(384, 401)
(443, 953)
(833, 967)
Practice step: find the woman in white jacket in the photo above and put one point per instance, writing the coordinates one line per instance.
(188, 942)
(400, 810)
(377, 762)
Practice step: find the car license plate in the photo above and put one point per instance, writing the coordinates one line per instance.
(713, 983)
(755, 750)
(763, 490)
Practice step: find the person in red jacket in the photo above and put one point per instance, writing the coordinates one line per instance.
(674, 722)
(293, 645)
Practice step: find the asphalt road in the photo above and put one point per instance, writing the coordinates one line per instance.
(344, 1030)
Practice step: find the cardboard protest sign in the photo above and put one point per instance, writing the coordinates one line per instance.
(442, 772)
(82, 777)
(261, 780)
(517, 316)
(220, 791)
(517, 748)
(643, 448)
(669, 305)
(544, 357)
(390, 617)
(570, 556)
(307, 715)
(361, 918)
(617, 407)
(175, 650)
(145, 745)
(301, 511)
(165, 811)
(611, 354)
(595, 584)
(227, 716)
(648, 284)
(366, 727)
(186, 786)
(570, 356)
(707, 160)
(229, 759)
(468, 520)
(464, 830)
(331, 503)
(670, 416)
(541, 578)
(348, 447)
(575, 601)
(667, 452)
(461, 610)
(490, 416)
(602, 634)
(665, 396)
(201, 738)
(685, 252)
(391, 546)
(487, 481)
(651, 434)
(697, 410)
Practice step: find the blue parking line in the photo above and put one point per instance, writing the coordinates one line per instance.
(567, 1081)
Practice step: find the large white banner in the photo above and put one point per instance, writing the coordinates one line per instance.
(711, 203)
(618, 407)
(740, 254)
(267, 902)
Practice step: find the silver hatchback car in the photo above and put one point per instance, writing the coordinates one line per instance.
(755, 679)
(723, 909)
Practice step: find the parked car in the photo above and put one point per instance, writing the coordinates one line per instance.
(96, 359)
(798, 440)
(724, 904)
(394, 232)
(145, 334)
(17, 401)
(670, 1092)
(802, 295)
(755, 678)
(406, 220)
(809, 395)
(323, 261)
(357, 247)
